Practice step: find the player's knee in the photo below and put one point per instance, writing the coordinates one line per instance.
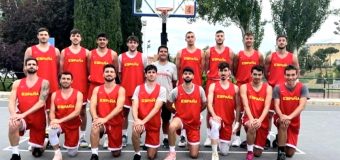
(257, 152)
(193, 155)
(116, 153)
(290, 152)
(152, 155)
(224, 148)
(13, 128)
(72, 152)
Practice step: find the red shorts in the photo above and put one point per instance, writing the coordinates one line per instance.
(36, 123)
(91, 88)
(193, 133)
(152, 138)
(225, 132)
(292, 132)
(114, 134)
(261, 134)
(71, 136)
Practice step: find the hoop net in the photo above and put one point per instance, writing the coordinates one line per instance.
(163, 13)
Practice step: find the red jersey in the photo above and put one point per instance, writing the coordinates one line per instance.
(132, 72)
(106, 103)
(192, 60)
(215, 59)
(146, 104)
(47, 62)
(290, 100)
(97, 64)
(28, 96)
(244, 65)
(224, 103)
(256, 102)
(76, 64)
(188, 106)
(64, 107)
(277, 67)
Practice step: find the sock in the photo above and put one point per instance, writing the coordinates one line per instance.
(165, 136)
(183, 133)
(137, 152)
(214, 148)
(281, 149)
(94, 151)
(172, 148)
(15, 150)
(250, 147)
(57, 150)
(82, 134)
(125, 132)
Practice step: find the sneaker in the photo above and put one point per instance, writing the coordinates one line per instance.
(281, 156)
(236, 142)
(207, 142)
(124, 140)
(243, 145)
(267, 144)
(171, 156)
(106, 142)
(274, 144)
(182, 142)
(37, 152)
(15, 157)
(83, 143)
(137, 157)
(30, 148)
(94, 157)
(57, 155)
(250, 155)
(166, 143)
(215, 156)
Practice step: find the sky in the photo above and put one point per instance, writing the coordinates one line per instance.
(205, 32)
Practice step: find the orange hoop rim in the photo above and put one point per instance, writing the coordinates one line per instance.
(164, 9)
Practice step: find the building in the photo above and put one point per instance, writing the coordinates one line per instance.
(313, 47)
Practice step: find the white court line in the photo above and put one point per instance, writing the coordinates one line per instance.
(23, 139)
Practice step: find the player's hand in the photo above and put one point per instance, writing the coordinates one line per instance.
(256, 123)
(217, 118)
(55, 121)
(138, 122)
(138, 128)
(55, 125)
(237, 124)
(98, 122)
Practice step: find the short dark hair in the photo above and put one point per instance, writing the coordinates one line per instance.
(162, 46)
(149, 68)
(219, 31)
(257, 68)
(109, 66)
(291, 67)
(248, 34)
(188, 69)
(75, 31)
(102, 35)
(281, 36)
(223, 65)
(30, 59)
(189, 32)
(65, 73)
(132, 38)
(43, 29)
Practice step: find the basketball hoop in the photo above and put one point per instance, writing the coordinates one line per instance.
(163, 13)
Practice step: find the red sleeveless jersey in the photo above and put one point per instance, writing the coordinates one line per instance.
(290, 100)
(277, 67)
(146, 104)
(192, 60)
(47, 62)
(245, 63)
(28, 96)
(64, 107)
(132, 72)
(106, 103)
(76, 64)
(215, 59)
(97, 64)
(224, 103)
(188, 107)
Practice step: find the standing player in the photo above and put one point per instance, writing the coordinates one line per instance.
(48, 59)
(256, 97)
(147, 100)
(243, 63)
(166, 77)
(223, 102)
(30, 94)
(131, 72)
(74, 59)
(275, 64)
(106, 110)
(214, 56)
(290, 99)
(190, 100)
(64, 115)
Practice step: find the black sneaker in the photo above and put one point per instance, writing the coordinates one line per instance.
(281, 156)
(37, 152)
(137, 157)
(267, 144)
(274, 144)
(15, 157)
(166, 143)
(182, 142)
(94, 157)
(243, 145)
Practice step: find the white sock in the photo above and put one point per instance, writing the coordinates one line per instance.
(165, 136)
(137, 152)
(214, 147)
(94, 151)
(125, 132)
(183, 133)
(82, 134)
(15, 150)
(172, 148)
(250, 147)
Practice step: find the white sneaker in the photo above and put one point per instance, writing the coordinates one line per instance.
(236, 142)
(182, 142)
(171, 156)
(58, 155)
(106, 143)
(83, 143)
(215, 156)
(207, 142)
(30, 148)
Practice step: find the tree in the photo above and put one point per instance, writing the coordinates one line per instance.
(92, 17)
(298, 19)
(246, 14)
(130, 25)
